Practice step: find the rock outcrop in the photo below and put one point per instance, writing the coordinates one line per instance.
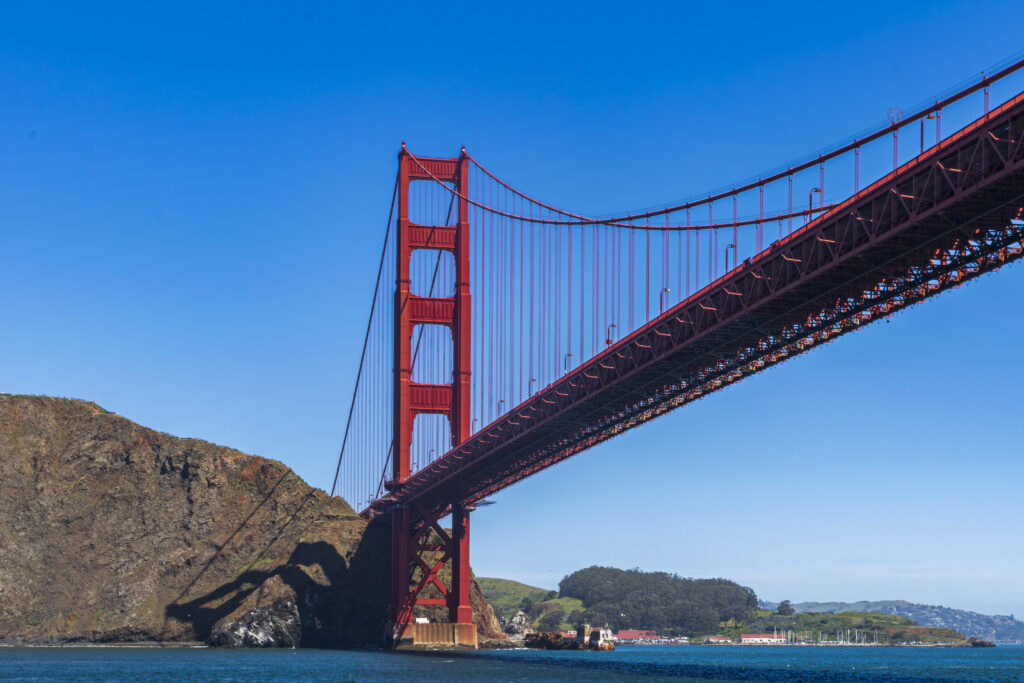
(555, 640)
(111, 532)
(547, 640)
(519, 625)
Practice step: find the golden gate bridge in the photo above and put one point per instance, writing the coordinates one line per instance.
(507, 334)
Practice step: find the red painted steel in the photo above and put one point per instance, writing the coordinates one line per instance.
(945, 217)
(412, 527)
(433, 237)
(432, 310)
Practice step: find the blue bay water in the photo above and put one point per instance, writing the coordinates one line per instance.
(652, 663)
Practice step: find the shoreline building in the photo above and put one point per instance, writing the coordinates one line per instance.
(596, 638)
(718, 640)
(762, 639)
(627, 635)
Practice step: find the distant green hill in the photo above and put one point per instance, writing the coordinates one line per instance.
(667, 603)
(862, 627)
(545, 608)
(671, 604)
(506, 596)
(623, 598)
(997, 628)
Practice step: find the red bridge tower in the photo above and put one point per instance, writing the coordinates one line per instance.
(411, 526)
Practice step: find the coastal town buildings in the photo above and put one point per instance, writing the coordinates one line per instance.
(762, 639)
(627, 635)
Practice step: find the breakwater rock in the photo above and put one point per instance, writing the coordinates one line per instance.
(112, 532)
(548, 640)
(554, 640)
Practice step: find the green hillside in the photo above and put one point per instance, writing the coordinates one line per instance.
(676, 606)
(667, 603)
(998, 628)
(623, 599)
(545, 608)
(506, 596)
(867, 627)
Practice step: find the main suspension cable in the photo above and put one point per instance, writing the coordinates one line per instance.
(625, 221)
(618, 222)
(366, 337)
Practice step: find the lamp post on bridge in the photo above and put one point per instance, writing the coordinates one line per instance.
(895, 114)
(930, 116)
(810, 202)
(665, 291)
(566, 363)
(608, 340)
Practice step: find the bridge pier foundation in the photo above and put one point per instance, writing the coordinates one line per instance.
(415, 636)
(414, 545)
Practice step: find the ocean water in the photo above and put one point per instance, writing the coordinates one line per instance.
(639, 663)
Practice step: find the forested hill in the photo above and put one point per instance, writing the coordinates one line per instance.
(997, 628)
(630, 598)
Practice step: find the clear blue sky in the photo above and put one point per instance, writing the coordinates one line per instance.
(192, 199)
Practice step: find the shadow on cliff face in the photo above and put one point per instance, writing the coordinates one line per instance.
(252, 513)
(338, 603)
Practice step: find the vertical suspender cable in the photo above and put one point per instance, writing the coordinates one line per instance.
(489, 391)
(696, 260)
(664, 266)
(583, 249)
(821, 187)
(568, 315)
(760, 215)
(529, 374)
(789, 229)
(522, 321)
(688, 253)
(647, 271)
(631, 307)
(502, 331)
(711, 247)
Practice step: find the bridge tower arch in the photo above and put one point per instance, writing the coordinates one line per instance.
(415, 531)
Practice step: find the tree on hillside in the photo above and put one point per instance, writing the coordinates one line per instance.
(785, 609)
(551, 620)
(577, 617)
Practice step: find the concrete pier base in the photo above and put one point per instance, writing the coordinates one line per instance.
(436, 634)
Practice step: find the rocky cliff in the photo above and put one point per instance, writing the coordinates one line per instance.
(112, 532)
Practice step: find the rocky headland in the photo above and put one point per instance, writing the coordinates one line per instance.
(114, 533)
